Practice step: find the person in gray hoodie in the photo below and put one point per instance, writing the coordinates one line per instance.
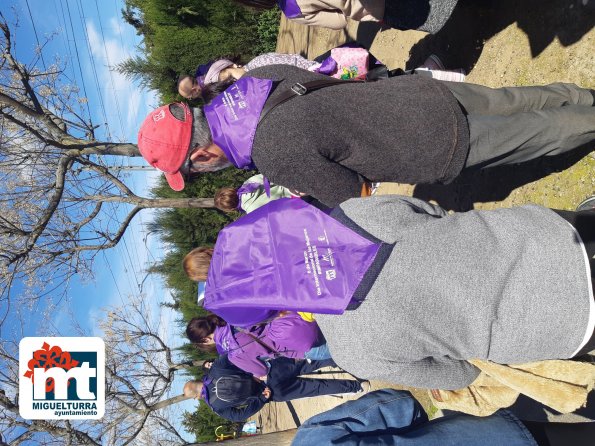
(507, 285)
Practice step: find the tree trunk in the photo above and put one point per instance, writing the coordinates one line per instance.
(168, 402)
(154, 203)
(119, 149)
(176, 203)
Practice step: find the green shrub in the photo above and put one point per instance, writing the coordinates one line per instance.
(267, 29)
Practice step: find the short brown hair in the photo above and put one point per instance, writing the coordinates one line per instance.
(197, 262)
(200, 327)
(226, 199)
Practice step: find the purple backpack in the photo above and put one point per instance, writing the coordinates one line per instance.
(286, 255)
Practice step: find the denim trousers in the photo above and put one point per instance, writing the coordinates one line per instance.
(320, 352)
(394, 417)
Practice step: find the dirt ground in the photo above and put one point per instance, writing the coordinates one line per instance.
(509, 43)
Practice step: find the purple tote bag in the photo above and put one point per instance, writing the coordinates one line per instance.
(286, 255)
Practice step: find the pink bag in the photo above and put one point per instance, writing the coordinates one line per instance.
(352, 63)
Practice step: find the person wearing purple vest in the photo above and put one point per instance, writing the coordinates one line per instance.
(248, 348)
(407, 293)
(326, 142)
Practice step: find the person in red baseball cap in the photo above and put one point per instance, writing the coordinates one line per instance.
(327, 138)
(168, 142)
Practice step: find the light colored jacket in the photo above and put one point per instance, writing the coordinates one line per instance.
(250, 201)
(334, 13)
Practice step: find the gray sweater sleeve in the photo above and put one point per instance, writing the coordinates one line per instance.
(431, 373)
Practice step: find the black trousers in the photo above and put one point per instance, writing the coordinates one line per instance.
(516, 124)
(285, 384)
(562, 434)
(425, 15)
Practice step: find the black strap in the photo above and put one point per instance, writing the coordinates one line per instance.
(298, 89)
(259, 341)
(294, 414)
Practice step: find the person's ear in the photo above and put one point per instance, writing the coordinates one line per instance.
(201, 156)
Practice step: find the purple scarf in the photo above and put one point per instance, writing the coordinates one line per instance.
(290, 8)
(286, 255)
(233, 117)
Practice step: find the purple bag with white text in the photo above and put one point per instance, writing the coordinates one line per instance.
(286, 255)
(233, 117)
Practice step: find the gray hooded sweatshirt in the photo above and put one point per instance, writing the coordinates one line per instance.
(508, 285)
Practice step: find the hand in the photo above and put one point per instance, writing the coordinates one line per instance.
(266, 393)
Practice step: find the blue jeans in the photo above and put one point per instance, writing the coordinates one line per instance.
(394, 417)
(320, 352)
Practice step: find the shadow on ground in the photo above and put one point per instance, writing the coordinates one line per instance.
(460, 42)
(473, 22)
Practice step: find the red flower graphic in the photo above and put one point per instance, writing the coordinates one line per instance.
(49, 357)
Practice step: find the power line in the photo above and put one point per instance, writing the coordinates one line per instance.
(66, 38)
(120, 30)
(109, 69)
(94, 69)
(113, 276)
(36, 37)
(78, 59)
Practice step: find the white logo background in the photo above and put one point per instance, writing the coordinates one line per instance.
(26, 388)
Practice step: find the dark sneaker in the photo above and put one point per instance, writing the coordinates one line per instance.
(587, 205)
(366, 386)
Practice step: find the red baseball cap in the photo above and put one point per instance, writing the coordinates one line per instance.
(164, 141)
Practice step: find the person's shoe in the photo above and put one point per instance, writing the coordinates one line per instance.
(433, 62)
(457, 75)
(366, 386)
(587, 205)
(374, 188)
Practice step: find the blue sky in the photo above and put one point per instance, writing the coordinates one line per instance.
(90, 36)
